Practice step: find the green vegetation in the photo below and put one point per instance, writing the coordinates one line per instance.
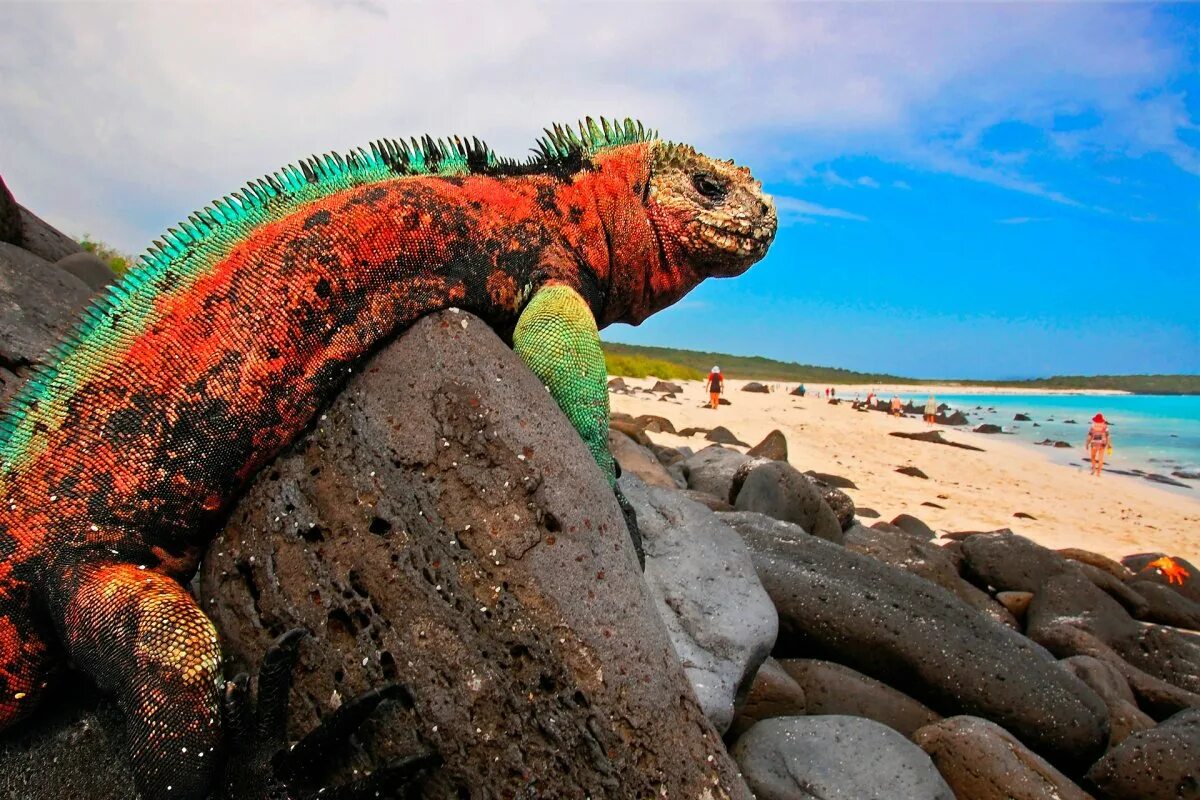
(639, 366)
(636, 361)
(117, 262)
(748, 367)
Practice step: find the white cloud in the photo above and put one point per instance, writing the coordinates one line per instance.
(1022, 220)
(793, 209)
(868, 181)
(120, 118)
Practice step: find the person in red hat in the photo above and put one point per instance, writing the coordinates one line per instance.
(1099, 442)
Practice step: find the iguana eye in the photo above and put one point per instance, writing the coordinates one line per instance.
(708, 186)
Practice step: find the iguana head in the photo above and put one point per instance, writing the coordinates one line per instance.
(698, 218)
(712, 214)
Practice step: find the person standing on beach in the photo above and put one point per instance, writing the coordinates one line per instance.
(930, 410)
(1099, 442)
(716, 385)
(895, 412)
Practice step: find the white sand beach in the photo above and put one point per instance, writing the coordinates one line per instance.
(1113, 514)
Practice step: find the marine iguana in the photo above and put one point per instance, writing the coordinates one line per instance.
(121, 457)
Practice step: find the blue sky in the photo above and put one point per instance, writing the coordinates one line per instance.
(967, 190)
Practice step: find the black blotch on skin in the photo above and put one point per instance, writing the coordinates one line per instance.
(317, 219)
(323, 289)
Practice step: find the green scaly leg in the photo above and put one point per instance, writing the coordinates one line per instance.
(557, 338)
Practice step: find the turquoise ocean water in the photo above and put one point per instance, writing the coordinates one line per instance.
(1153, 433)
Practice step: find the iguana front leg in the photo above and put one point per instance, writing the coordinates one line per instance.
(556, 336)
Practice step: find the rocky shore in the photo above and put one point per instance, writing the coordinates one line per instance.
(444, 527)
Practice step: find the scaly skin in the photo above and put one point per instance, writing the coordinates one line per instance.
(119, 461)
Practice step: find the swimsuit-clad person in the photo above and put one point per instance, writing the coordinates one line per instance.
(1098, 442)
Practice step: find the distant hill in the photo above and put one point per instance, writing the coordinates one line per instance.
(639, 361)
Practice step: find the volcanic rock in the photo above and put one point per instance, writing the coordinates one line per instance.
(988, 428)
(655, 424)
(799, 758)
(1123, 714)
(707, 500)
(638, 460)
(88, 268)
(926, 560)
(1017, 603)
(666, 386)
(982, 761)
(1021, 418)
(1071, 599)
(840, 504)
(38, 303)
(1010, 562)
(773, 446)
(774, 693)
(913, 472)
(779, 490)
(914, 527)
(833, 689)
(617, 384)
(722, 435)
(1155, 696)
(1162, 763)
(1112, 567)
(43, 239)
(1173, 572)
(1167, 607)
(836, 481)
(10, 217)
(934, 437)
(753, 386)
(957, 418)
(841, 606)
(699, 571)
(631, 429)
(712, 470)
(450, 531)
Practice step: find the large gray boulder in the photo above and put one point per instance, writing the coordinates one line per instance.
(982, 761)
(449, 530)
(835, 758)
(779, 490)
(721, 622)
(922, 640)
(712, 470)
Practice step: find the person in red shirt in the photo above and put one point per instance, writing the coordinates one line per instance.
(716, 385)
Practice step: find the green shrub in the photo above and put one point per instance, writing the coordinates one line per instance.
(634, 366)
(118, 262)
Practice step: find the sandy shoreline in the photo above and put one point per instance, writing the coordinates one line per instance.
(847, 391)
(1113, 515)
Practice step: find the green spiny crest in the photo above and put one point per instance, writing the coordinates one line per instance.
(561, 141)
(185, 253)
